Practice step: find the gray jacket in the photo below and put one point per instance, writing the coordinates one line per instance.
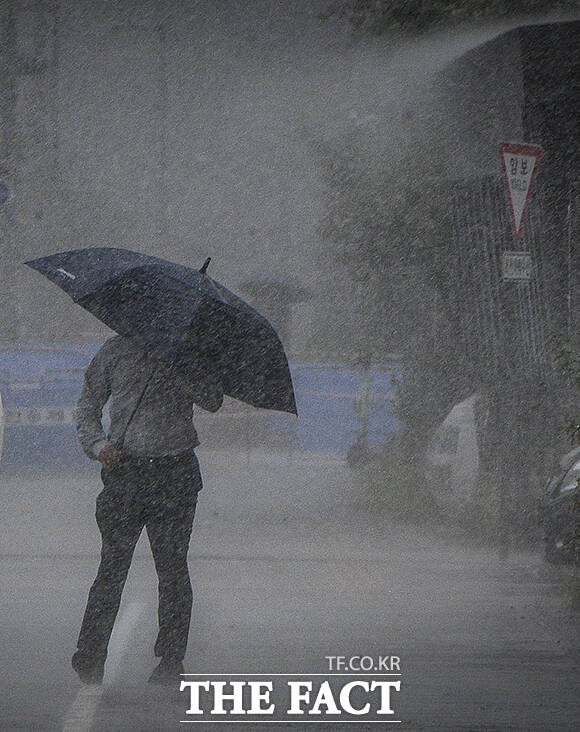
(163, 422)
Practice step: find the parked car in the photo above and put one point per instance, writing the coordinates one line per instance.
(559, 512)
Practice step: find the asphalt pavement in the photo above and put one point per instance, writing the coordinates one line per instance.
(287, 570)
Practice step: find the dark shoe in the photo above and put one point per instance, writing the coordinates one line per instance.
(90, 668)
(167, 672)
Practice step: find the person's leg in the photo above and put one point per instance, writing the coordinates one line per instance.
(169, 522)
(120, 522)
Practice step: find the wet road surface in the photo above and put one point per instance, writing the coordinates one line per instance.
(285, 573)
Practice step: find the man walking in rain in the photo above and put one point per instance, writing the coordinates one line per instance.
(151, 479)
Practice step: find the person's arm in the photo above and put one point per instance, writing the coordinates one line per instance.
(89, 409)
(208, 394)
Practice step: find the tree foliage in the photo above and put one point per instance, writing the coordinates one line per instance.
(388, 227)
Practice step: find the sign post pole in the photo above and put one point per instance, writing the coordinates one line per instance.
(519, 163)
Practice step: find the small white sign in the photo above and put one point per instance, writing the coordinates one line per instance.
(520, 164)
(39, 416)
(517, 266)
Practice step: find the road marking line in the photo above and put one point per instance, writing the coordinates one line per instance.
(120, 638)
(82, 711)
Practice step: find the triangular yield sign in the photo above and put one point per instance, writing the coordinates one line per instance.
(520, 164)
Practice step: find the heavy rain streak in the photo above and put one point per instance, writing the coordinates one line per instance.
(289, 364)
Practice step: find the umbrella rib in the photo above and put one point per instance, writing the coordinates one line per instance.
(180, 281)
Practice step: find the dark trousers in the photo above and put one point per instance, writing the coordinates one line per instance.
(160, 494)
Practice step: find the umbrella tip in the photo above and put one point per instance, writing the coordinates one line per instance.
(205, 265)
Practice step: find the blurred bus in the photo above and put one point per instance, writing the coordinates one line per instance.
(40, 383)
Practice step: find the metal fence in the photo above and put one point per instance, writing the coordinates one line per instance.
(505, 327)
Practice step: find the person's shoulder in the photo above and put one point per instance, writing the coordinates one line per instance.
(112, 349)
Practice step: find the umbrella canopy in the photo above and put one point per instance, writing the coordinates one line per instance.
(179, 315)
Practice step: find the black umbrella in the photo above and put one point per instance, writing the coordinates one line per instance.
(179, 315)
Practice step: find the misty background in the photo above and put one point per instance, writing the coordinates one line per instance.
(194, 129)
(183, 130)
(339, 161)
(345, 151)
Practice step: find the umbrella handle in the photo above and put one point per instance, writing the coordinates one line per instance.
(205, 265)
(120, 442)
